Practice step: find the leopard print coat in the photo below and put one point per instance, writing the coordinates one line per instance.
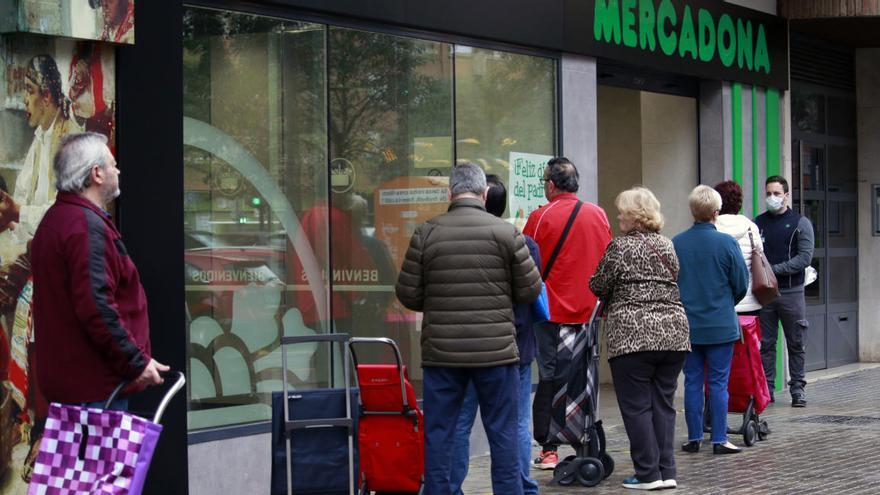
(644, 311)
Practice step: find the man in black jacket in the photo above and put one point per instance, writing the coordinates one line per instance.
(788, 243)
(465, 270)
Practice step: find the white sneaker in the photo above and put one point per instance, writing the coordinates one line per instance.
(634, 483)
(669, 484)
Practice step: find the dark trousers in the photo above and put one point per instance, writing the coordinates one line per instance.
(645, 384)
(791, 309)
(444, 391)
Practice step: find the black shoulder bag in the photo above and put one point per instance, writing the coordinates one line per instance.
(561, 241)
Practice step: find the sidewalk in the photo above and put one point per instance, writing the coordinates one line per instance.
(831, 446)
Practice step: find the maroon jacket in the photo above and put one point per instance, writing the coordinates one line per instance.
(90, 313)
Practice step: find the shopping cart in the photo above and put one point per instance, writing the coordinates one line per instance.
(391, 433)
(313, 431)
(575, 406)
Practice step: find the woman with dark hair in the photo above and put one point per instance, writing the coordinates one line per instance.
(738, 226)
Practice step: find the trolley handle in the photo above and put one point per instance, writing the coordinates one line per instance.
(324, 337)
(179, 382)
(397, 357)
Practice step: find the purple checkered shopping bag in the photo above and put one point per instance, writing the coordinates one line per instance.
(87, 451)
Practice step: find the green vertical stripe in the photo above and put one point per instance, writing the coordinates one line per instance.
(736, 110)
(755, 190)
(772, 111)
(774, 167)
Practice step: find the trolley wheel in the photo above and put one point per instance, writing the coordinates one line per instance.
(563, 472)
(763, 430)
(750, 433)
(590, 472)
(607, 463)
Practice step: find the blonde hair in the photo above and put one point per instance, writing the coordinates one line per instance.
(641, 206)
(704, 202)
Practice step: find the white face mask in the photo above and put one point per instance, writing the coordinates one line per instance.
(775, 203)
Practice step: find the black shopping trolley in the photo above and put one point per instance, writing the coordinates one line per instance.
(575, 404)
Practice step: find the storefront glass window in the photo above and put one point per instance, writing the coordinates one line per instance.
(312, 154)
(390, 155)
(504, 115)
(254, 166)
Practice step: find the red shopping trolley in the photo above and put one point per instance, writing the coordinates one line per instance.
(391, 435)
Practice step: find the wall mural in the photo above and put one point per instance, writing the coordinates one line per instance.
(48, 88)
(106, 20)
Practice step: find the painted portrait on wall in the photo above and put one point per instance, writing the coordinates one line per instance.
(106, 20)
(51, 88)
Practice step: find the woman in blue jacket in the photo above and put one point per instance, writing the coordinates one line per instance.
(713, 278)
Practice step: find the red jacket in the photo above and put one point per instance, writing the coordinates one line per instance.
(90, 313)
(568, 287)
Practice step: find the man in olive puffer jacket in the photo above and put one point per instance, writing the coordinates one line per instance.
(465, 270)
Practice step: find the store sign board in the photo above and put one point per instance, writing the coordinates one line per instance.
(102, 20)
(526, 190)
(709, 39)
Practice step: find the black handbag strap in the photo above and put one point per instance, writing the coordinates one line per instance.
(561, 241)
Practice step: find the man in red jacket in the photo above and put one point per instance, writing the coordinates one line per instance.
(90, 312)
(567, 268)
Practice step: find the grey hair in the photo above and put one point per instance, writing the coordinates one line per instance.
(467, 178)
(76, 156)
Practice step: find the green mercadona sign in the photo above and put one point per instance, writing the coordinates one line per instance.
(708, 38)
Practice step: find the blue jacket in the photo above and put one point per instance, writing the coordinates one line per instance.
(523, 319)
(712, 279)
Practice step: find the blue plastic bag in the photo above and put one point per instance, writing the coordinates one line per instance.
(541, 306)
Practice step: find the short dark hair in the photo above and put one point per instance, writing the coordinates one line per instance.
(731, 197)
(496, 198)
(778, 179)
(563, 174)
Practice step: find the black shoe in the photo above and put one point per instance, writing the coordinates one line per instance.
(692, 446)
(772, 399)
(798, 400)
(720, 448)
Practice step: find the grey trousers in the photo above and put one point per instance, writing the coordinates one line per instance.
(790, 308)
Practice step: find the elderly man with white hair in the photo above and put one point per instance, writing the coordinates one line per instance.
(89, 305)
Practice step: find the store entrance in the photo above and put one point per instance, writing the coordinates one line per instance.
(650, 139)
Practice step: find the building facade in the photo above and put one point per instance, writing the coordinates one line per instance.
(283, 151)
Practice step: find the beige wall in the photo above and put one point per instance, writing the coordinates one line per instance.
(648, 139)
(868, 115)
(619, 135)
(669, 155)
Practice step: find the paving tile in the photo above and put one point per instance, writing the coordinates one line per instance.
(803, 454)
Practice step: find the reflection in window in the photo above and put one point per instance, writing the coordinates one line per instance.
(301, 197)
(391, 151)
(253, 163)
(812, 165)
(505, 115)
(814, 210)
(808, 111)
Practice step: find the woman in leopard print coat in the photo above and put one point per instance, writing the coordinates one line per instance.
(647, 333)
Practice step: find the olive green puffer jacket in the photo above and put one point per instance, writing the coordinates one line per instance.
(465, 270)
